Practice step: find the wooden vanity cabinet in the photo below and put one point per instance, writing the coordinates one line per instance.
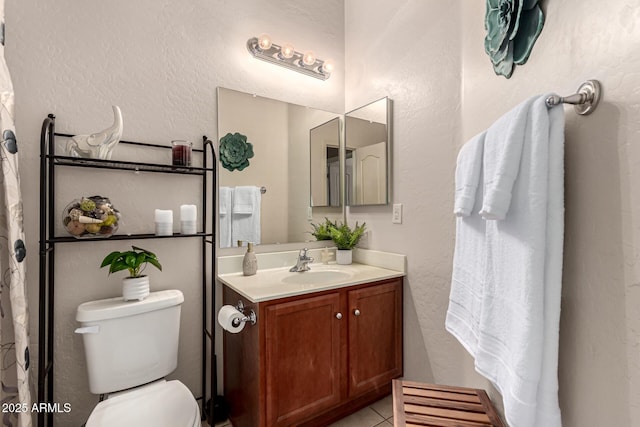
(303, 358)
(375, 337)
(315, 358)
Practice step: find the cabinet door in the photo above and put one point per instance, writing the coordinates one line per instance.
(375, 336)
(303, 356)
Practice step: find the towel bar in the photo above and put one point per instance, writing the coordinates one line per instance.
(584, 101)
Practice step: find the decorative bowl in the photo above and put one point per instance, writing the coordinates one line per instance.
(90, 217)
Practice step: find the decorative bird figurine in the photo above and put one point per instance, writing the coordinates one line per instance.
(98, 145)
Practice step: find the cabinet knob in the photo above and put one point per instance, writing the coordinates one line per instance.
(338, 316)
(356, 312)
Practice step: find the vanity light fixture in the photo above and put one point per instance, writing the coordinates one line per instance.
(285, 55)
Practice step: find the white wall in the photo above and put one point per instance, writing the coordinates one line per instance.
(410, 51)
(161, 62)
(599, 368)
(433, 65)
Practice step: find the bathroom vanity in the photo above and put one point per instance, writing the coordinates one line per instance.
(322, 348)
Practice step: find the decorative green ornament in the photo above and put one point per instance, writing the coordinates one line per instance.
(513, 26)
(87, 205)
(235, 151)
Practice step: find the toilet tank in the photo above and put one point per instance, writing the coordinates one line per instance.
(130, 343)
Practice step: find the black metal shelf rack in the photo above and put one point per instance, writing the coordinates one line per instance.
(49, 161)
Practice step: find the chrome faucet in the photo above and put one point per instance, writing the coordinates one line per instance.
(303, 262)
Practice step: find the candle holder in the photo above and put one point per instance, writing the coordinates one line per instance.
(181, 153)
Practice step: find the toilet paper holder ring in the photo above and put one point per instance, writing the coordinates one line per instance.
(251, 317)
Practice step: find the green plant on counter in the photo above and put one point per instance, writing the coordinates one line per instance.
(135, 261)
(322, 231)
(346, 238)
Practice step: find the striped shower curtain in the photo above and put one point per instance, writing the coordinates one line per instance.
(15, 396)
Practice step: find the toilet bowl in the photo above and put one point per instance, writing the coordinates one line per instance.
(159, 404)
(130, 346)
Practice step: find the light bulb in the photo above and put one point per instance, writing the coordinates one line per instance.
(328, 66)
(309, 58)
(287, 50)
(264, 41)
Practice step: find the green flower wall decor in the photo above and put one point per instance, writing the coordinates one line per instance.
(513, 27)
(235, 151)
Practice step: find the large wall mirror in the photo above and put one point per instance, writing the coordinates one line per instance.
(268, 201)
(367, 153)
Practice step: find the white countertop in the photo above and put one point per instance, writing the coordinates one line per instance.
(277, 283)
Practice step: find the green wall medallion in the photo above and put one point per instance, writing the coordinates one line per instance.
(235, 151)
(513, 26)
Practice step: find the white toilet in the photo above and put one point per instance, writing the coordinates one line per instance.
(130, 347)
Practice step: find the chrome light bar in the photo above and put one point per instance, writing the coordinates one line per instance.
(285, 56)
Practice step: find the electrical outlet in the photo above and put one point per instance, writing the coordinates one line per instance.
(396, 217)
(309, 213)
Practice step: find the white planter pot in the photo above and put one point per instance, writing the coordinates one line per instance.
(344, 256)
(135, 288)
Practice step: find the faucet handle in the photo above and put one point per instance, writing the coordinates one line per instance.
(303, 253)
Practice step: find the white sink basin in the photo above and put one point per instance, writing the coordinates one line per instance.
(316, 277)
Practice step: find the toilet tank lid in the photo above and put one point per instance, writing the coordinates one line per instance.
(113, 308)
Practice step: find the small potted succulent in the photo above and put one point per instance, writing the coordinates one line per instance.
(136, 286)
(345, 239)
(322, 231)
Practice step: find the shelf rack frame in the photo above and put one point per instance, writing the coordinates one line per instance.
(49, 161)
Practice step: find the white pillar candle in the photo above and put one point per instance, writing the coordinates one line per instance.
(188, 212)
(188, 215)
(164, 215)
(164, 222)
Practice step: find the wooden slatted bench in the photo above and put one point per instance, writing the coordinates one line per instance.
(419, 404)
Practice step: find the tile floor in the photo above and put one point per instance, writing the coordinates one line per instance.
(379, 414)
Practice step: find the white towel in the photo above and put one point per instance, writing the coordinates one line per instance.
(467, 281)
(502, 153)
(245, 199)
(463, 316)
(513, 334)
(225, 198)
(468, 167)
(548, 413)
(246, 214)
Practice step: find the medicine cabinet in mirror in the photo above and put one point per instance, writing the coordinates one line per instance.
(367, 153)
(325, 164)
(279, 133)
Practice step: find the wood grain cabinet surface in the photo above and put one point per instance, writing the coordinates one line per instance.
(315, 358)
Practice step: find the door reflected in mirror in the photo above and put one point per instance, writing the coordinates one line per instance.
(325, 164)
(367, 154)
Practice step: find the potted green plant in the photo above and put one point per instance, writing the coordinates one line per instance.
(345, 239)
(136, 285)
(322, 231)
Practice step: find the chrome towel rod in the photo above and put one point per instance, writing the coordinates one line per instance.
(584, 102)
(263, 190)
